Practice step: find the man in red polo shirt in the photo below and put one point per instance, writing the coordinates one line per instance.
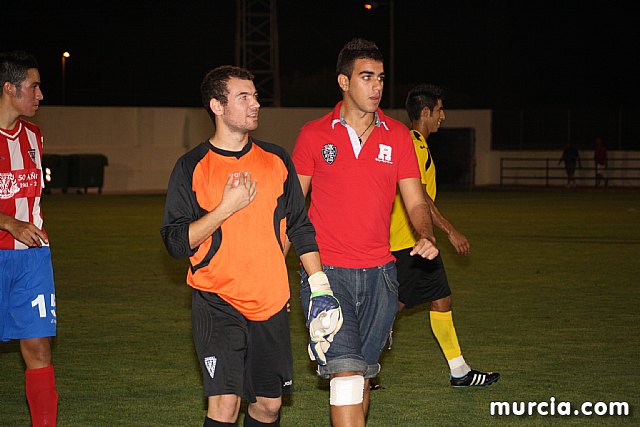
(353, 158)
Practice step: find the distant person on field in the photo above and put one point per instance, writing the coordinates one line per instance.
(571, 158)
(27, 294)
(424, 280)
(601, 159)
(231, 203)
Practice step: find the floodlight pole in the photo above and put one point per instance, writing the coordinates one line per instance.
(392, 59)
(392, 43)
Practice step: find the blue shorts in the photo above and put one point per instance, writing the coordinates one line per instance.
(369, 301)
(27, 295)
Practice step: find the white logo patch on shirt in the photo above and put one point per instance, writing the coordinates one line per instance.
(8, 185)
(329, 152)
(210, 364)
(384, 155)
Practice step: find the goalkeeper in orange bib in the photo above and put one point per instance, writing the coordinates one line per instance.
(231, 203)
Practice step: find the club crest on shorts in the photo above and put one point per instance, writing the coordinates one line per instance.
(210, 364)
(329, 152)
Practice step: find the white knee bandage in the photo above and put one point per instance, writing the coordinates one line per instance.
(346, 390)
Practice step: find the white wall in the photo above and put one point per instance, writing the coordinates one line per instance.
(142, 144)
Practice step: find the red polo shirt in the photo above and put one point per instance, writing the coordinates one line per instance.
(352, 193)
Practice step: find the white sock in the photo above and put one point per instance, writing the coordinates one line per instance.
(458, 367)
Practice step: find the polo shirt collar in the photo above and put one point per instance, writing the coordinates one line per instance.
(353, 136)
(336, 117)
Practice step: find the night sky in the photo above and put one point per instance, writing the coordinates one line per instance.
(493, 54)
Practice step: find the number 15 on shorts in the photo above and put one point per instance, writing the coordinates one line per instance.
(41, 304)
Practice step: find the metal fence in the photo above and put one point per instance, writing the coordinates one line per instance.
(548, 172)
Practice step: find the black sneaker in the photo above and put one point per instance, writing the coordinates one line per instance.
(475, 379)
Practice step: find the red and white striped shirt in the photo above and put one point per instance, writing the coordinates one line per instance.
(21, 179)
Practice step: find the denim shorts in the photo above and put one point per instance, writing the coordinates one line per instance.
(369, 301)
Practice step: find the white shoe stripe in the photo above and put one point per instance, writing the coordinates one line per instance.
(478, 379)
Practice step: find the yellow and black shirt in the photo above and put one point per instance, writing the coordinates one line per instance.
(401, 231)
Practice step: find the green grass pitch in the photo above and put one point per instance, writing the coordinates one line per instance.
(549, 297)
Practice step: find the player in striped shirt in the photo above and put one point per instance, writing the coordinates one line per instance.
(27, 295)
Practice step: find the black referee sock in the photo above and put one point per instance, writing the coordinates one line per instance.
(208, 422)
(252, 422)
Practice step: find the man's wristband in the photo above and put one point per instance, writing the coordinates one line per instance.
(319, 284)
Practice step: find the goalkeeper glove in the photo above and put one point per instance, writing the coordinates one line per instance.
(324, 318)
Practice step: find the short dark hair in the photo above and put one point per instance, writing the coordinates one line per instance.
(214, 84)
(356, 49)
(420, 96)
(14, 66)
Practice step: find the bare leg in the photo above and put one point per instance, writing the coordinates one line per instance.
(350, 415)
(442, 305)
(265, 410)
(223, 408)
(36, 352)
